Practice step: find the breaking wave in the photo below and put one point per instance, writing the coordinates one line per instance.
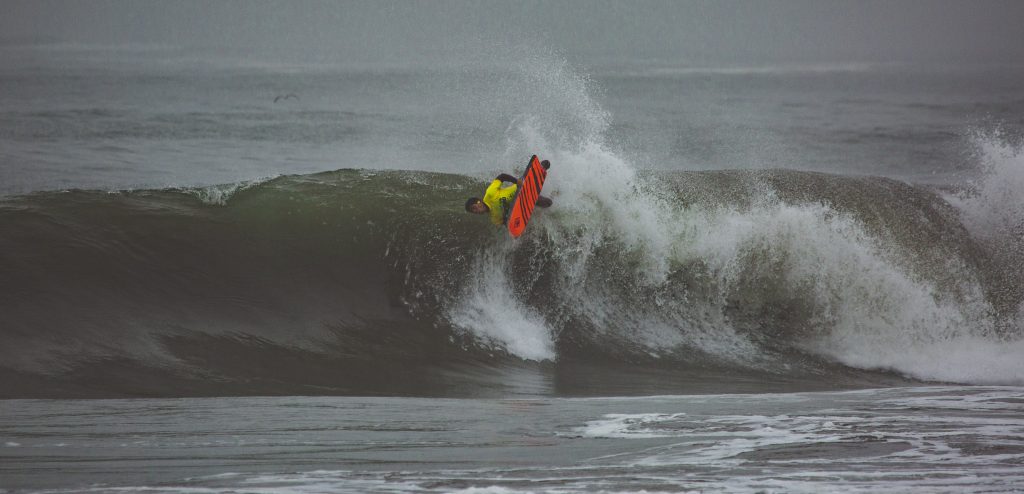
(377, 282)
(314, 282)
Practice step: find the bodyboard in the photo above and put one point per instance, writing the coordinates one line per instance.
(526, 197)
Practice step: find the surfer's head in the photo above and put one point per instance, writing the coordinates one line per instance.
(476, 206)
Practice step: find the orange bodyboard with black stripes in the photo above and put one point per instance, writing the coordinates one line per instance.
(526, 197)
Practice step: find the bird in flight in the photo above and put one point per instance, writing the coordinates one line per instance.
(289, 95)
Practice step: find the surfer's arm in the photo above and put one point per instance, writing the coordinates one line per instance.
(504, 177)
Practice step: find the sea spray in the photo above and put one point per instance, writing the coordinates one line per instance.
(751, 282)
(993, 204)
(487, 307)
(992, 209)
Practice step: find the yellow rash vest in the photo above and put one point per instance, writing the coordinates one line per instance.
(499, 199)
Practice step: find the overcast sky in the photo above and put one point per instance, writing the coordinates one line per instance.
(699, 33)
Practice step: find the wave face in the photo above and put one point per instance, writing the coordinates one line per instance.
(366, 282)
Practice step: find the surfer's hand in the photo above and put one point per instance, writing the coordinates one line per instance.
(504, 177)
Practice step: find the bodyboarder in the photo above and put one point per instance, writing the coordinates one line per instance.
(497, 199)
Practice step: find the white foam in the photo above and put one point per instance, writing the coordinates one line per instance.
(489, 309)
(961, 359)
(993, 205)
(632, 426)
(869, 310)
(929, 438)
(218, 195)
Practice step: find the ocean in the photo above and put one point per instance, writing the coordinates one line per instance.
(223, 274)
